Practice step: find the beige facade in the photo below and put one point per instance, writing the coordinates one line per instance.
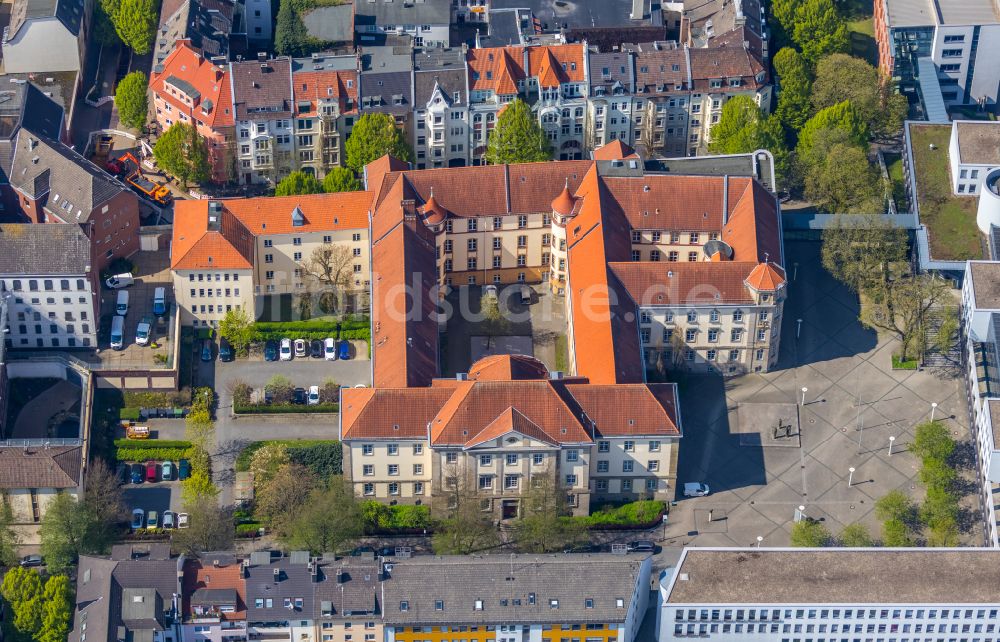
(204, 296)
(279, 268)
(28, 504)
(497, 249)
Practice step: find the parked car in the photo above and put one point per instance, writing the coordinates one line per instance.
(183, 469)
(300, 348)
(299, 395)
(316, 349)
(136, 473)
(182, 520)
(160, 301)
(330, 349)
(286, 350)
(167, 471)
(345, 349)
(118, 333)
(152, 520)
(122, 280)
(168, 520)
(225, 350)
(142, 332)
(313, 395)
(151, 471)
(123, 473)
(641, 546)
(270, 350)
(206, 350)
(121, 305)
(32, 560)
(525, 293)
(696, 489)
(138, 518)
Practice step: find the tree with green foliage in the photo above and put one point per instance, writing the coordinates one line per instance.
(843, 181)
(104, 30)
(896, 533)
(820, 30)
(131, 100)
(198, 487)
(341, 179)
(373, 136)
(932, 441)
(940, 506)
(855, 535)
(22, 588)
(795, 79)
(182, 152)
(199, 428)
(298, 183)
(894, 505)
(328, 522)
(135, 22)
(290, 35)
(463, 526)
(9, 539)
(545, 525)
(743, 128)
(936, 473)
(903, 307)
(57, 610)
(783, 22)
(842, 116)
(517, 137)
(810, 533)
(840, 77)
(64, 532)
(943, 533)
(267, 460)
(863, 251)
(236, 327)
(210, 528)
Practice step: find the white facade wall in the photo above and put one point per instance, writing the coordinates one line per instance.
(265, 150)
(51, 311)
(204, 296)
(258, 17)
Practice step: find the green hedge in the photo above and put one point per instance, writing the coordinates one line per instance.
(633, 514)
(151, 443)
(129, 414)
(361, 334)
(158, 454)
(324, 457)
(378, 516)
(151, 399)
(297, 326)
(293, 409)
(248, 530)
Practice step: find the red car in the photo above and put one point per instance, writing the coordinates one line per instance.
(151, 469)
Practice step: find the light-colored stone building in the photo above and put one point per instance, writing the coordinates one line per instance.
(32, 476)
(326, 106)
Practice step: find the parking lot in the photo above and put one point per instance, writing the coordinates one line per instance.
(156, 496)
(854, 403)
(152, 270)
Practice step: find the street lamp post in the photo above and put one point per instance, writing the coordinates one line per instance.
(798, 328)
(891, 439)
(759, 540)
(804, 391)
(933, 410)
(850, 477)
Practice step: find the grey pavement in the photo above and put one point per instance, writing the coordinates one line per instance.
(233, 433)
(854, 403)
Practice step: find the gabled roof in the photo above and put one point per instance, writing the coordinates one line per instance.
(615, 150)
(311, 85)
(69, 13)
(496, 68)
(630, 409)
(556, 64)
(510, 421)
(685, 283)
(389, 413)
(51, 467)
(195, 246)
(262, 90)
(214, 105)
(724, 63)
(217, 578)
(36, 250)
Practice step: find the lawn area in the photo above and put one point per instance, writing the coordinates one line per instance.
(861, 30)
(894, 164)
(950, 219)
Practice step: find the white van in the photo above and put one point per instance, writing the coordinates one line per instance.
(696, 489)
(525, 292)
(118, 333)
(120, 281)
(121, 308)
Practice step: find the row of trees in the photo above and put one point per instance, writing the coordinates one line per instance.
(133, 22)
(37, 609)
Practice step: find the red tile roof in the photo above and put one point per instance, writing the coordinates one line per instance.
(615, 150)
(555, 64)
(685, 283)
(311, 87)
(228, 575)
(508, 367)
(499, 69)
(766, 277)
(389, 413)
(214, 105)
(195, 247)
(510, 420)
(630, 409)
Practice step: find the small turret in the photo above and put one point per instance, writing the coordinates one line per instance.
(563, 204)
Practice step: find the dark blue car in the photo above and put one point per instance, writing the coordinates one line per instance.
(137, 473)
(271, 350)
(345, 349)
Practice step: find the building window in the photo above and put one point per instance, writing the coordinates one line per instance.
(369, 489)
(537, 459)
(512, 459)
(571, 480)
(367, 449)
(511, 482)
(602, 466)
(393, 470)
(629, 446)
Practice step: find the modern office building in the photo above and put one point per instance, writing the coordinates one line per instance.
(835, 594)
(961, 38)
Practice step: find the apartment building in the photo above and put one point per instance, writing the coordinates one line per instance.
(239, 253)
(980, 335)
(613, 110)
(213, 599)
(263, 110)
(960, 37)
(132, 594)
(48, 276)
(427, 22)
(506, 426)
(542, 597)
(326, 105)
(387, 83)
(441, 95)
(553, 79)
(32, 476)
(307, 599)
(212, 28)
(681, 91)
(753, 594)
(188, 87)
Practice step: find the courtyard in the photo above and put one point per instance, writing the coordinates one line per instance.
(854, 403)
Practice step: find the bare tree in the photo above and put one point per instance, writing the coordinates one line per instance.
(902, 308)
(464, 526)
(331, 266)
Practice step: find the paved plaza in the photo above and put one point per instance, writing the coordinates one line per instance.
(846, 369)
